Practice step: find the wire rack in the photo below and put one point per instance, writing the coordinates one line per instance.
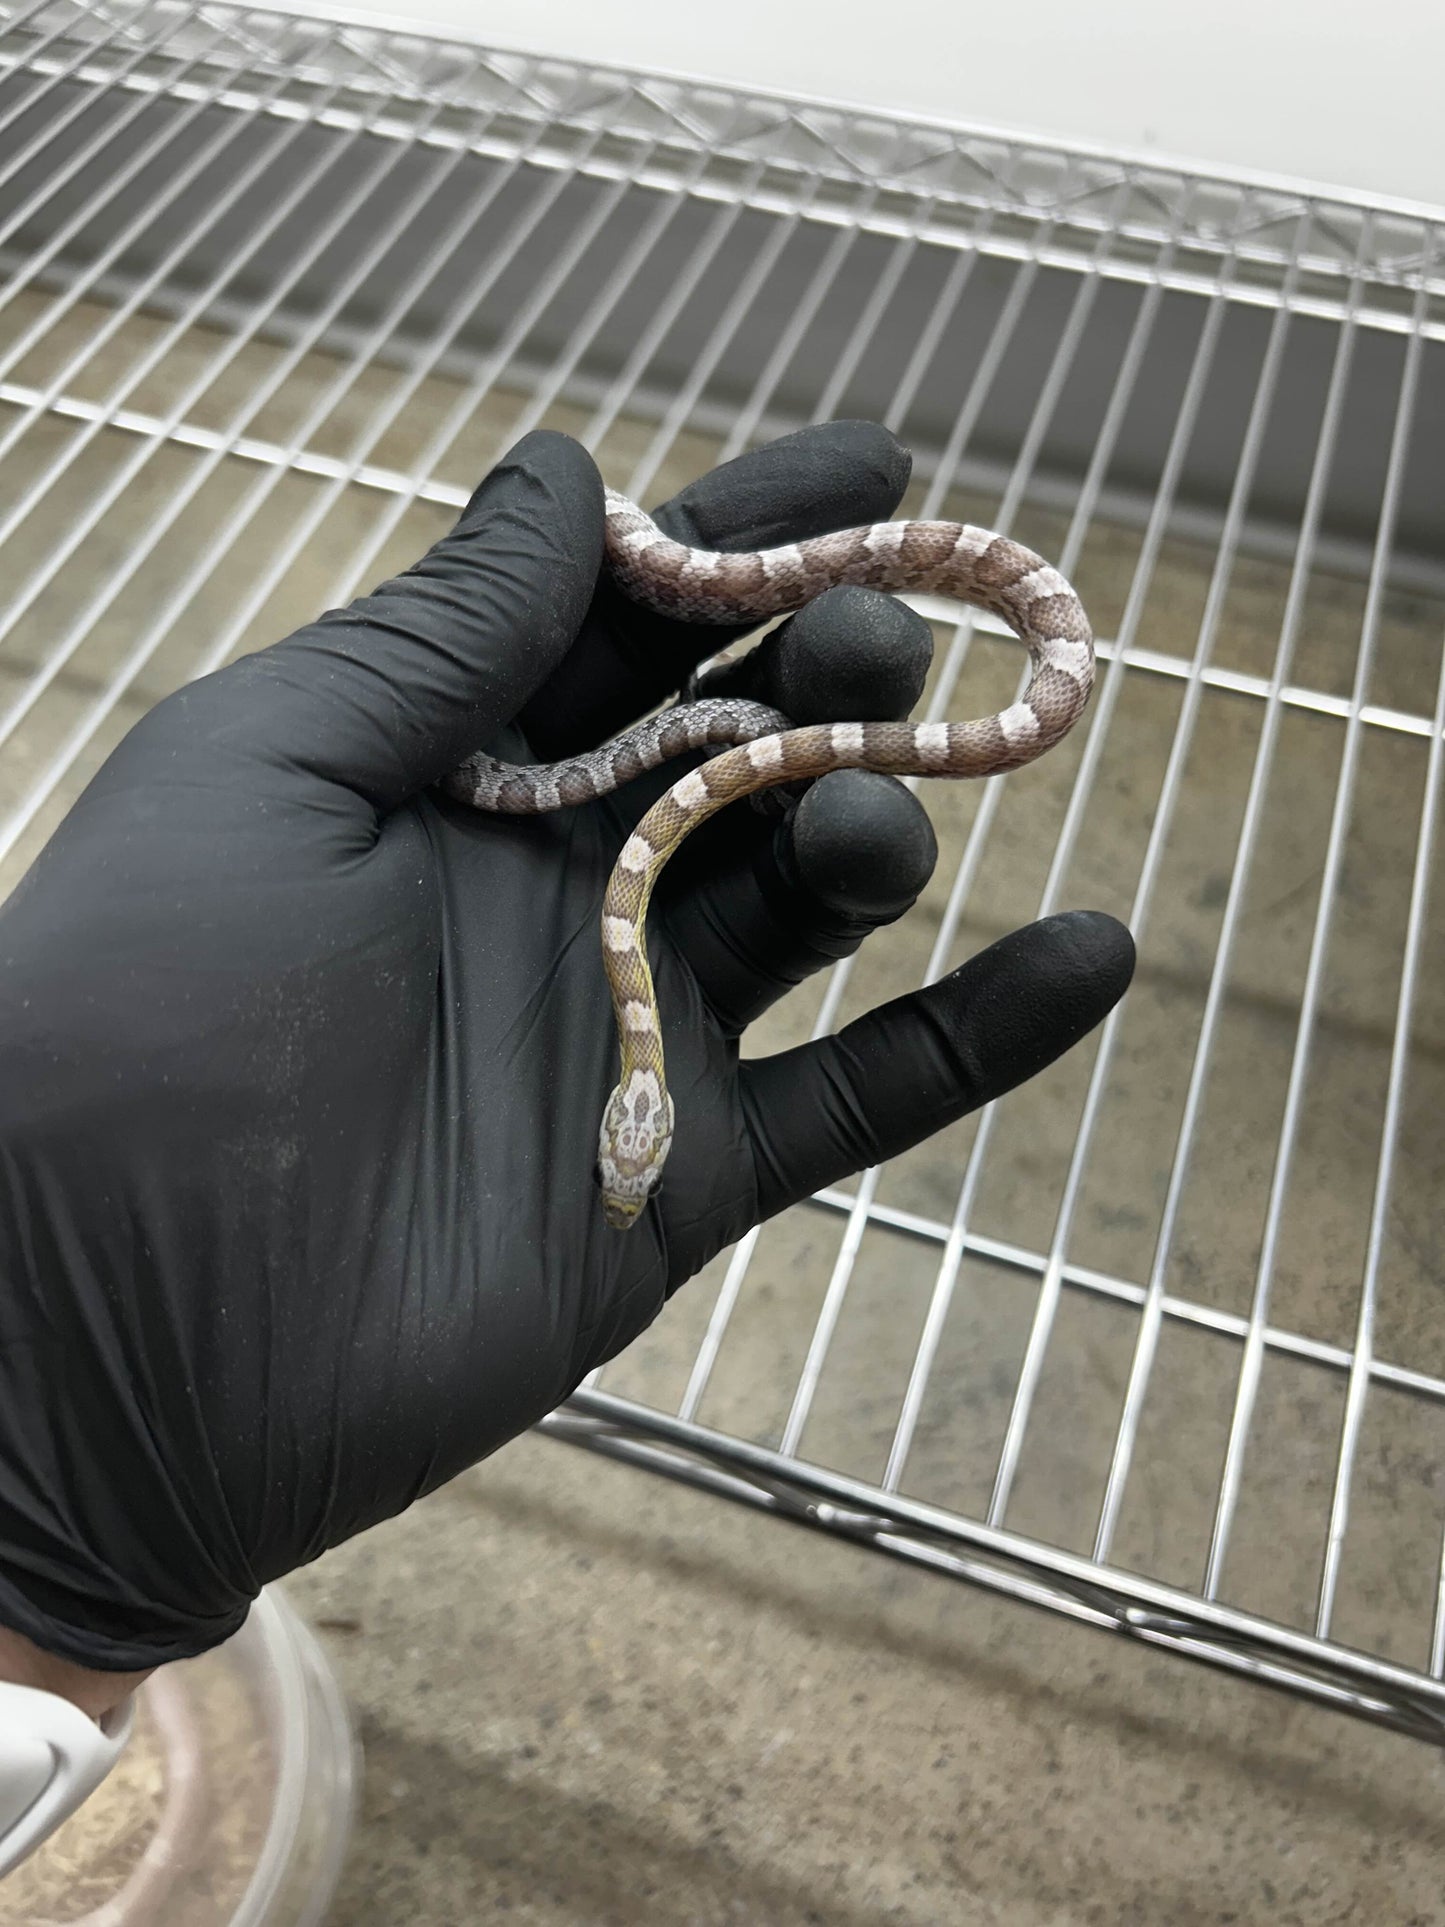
(1156, 1342)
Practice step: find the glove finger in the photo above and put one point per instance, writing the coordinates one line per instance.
(777, 902)
(853, 655)
(755, 905)
(626, 660)
(818, 1113)
(385, 696)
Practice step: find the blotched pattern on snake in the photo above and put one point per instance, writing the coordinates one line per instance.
(952, 559)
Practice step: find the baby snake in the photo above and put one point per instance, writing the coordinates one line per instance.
(698, 585)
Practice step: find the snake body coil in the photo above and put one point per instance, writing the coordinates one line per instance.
(696, 585)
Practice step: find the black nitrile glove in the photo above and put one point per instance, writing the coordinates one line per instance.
(301, 1067)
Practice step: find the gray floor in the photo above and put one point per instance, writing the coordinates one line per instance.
(587, 1696)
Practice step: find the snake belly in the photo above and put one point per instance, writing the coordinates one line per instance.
(952, 559)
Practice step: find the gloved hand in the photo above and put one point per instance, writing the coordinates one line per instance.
(301, 1066)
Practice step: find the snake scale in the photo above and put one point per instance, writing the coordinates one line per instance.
(760, 750)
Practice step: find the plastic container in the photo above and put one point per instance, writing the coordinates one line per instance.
(232, 1805)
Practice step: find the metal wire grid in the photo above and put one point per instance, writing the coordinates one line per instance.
(260, 267)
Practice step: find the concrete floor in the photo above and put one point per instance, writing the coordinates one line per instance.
(587, 1696)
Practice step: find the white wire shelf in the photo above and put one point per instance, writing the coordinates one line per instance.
(1156, 1342)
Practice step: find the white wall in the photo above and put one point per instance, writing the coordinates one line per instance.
(1342, 94)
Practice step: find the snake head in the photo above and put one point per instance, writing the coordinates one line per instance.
(633, 1145)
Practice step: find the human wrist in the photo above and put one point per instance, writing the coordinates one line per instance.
(62, 1729)
(96, 1693)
